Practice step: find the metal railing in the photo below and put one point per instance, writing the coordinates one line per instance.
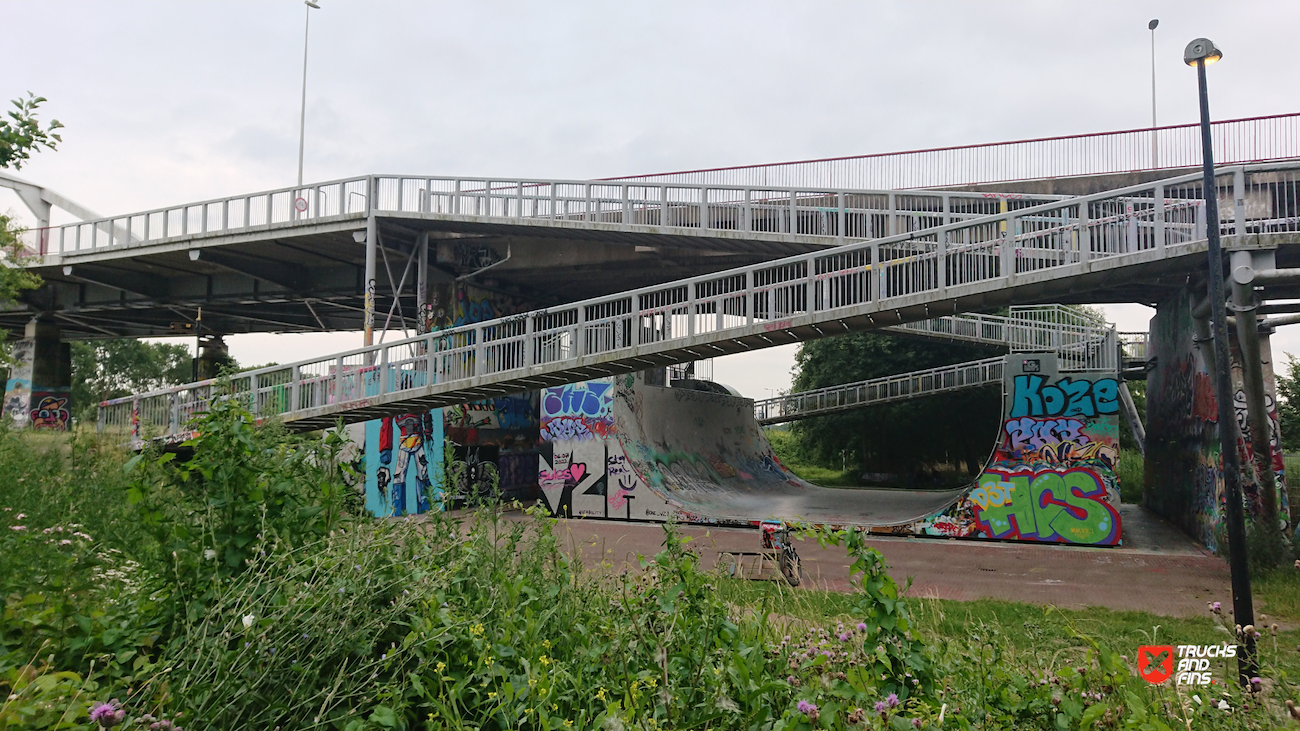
(873, 391)
(1252, 139)
(1081, 342)
(1019, 254)
(1134, 346)
(834, 214)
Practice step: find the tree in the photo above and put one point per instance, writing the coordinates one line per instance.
(904, 437)
(23, 135)
(1288, 406)
(107, 369)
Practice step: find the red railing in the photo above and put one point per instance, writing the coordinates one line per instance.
(1252, 139)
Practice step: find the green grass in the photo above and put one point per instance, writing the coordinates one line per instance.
(1129, 470)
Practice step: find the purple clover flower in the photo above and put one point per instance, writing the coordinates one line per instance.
(108, 715)
(862, 626)
(807, 708)
(892, 700)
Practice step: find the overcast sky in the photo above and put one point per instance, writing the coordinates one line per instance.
(167, 102)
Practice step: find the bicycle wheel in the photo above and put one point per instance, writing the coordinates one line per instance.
(790, 567)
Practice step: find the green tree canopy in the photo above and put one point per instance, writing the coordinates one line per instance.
(21, 134)
(956, 428)
(1288, 406)
(106, 369)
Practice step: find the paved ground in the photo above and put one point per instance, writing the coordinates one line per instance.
(1159, 570)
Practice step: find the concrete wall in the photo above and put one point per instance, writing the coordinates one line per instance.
(1183, 476)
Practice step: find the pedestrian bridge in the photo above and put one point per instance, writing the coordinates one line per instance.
(1120, 243)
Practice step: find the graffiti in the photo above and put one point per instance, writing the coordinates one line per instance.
(18, 390)
(404, 463)
(506, 412)
(1066, 397)
(1067, 506)
(567, 429)
(51, 412)
(778, 325)
(621, 477)
(573, 483)
(1056, 441)
(578, 412)
(1243, 419)
(470, 256)
(518, 474)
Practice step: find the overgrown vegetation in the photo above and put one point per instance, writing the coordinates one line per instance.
(238, 587)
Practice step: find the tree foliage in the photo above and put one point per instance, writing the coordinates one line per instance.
(108, 369)
(905, 437)
(21, 134)
(1288, 407)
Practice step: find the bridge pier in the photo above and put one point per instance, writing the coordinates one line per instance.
(1183, 465)
(214, 355)
(38, 391)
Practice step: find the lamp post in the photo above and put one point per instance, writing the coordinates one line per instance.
(302, 117)
(1155, 145)
(1200, 53)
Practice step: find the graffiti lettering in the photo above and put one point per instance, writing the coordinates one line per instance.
(1066, 506)
(1066, 397)
(778, 325)
(590, 399)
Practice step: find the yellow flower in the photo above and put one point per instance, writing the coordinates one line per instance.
(544, 660)
(546, 644)
(440, 667)
(554, 707)
(532, 682)
(568, 723)
(476, 630)
(601, 695)
(488, 661)
(491, 696)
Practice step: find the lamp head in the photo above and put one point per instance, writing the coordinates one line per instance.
(311, 4)
(1201, 49)
(1152, 25)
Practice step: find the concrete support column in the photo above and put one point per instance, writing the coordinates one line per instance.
(1252, 379)
(38, 392)
(213, 356)
(372, 241)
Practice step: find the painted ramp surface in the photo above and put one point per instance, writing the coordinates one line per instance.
(1049, 479)
(706, 453)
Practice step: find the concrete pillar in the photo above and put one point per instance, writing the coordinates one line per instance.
(213, 357)
(38, 392)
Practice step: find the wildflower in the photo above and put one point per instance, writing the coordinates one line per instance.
(808, 709)
(792, 680)
(600, 696)
(844, 637)
(488, 661)
(544, 660)
(546, 644)
(862, 626)
(1223, 706)
(108, 715)
(79, 534)
(476, 630)
(1216, 607)
(882, 708)
(568, 723)
(304, 635)
(17, 527)
(248, 621)
(20, 516)
(65, 542)
(210, 555)
(440, 667)
(492, 696)
(917, 723)
(892, 700)
(1255, 684)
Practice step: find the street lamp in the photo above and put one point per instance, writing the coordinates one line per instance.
(302, 117)
(1155, 149)
(1200, 53)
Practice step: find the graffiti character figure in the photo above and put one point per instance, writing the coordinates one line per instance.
(51, 413)
(413, 431)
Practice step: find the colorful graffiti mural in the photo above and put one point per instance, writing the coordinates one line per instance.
(583, 470)
(1184, 466)
(1052, 476)
(18, 389)
(404, 463)
(50, 411)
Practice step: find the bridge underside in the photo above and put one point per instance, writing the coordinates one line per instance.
(311, 278)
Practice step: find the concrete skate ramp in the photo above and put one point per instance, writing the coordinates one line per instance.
(706, 453)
